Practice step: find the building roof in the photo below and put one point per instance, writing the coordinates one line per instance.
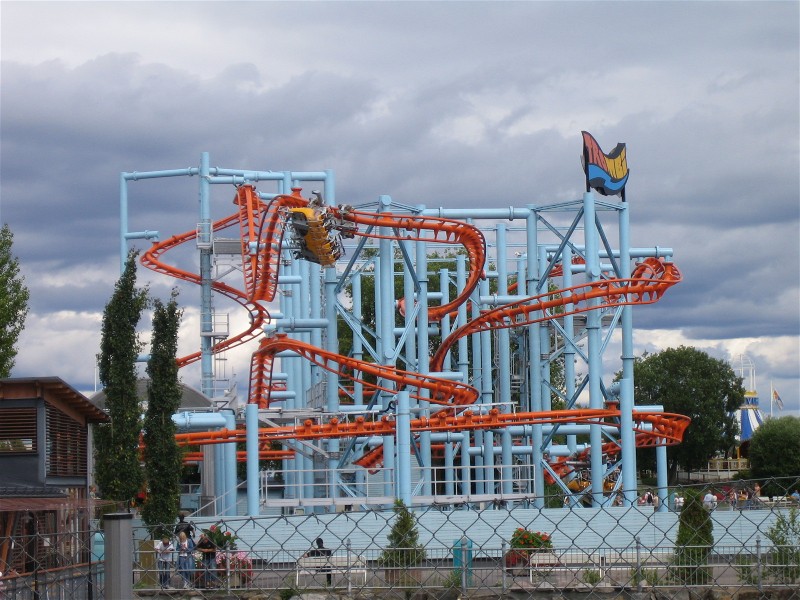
(14, 388)
(190, 397)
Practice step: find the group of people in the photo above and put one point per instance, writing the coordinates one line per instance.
(185, 549)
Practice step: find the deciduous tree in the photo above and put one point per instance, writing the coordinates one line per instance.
(689, 382)
(13, 302)
(775, 449)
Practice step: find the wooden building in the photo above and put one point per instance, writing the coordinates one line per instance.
(45, 453)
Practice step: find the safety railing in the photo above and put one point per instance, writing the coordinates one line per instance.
(459, 549)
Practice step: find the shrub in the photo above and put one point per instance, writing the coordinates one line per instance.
(592, 577)
(784, 558)
(403, 549)
(694, 541)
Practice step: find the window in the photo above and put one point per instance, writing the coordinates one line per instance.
(18, 430)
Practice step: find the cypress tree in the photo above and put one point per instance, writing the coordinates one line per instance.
(117, 468)
(162, 456)
(403, 549)
(694, 541)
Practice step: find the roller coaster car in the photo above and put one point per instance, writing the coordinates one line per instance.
(316, 236)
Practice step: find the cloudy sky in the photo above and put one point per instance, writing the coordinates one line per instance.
(472, 104)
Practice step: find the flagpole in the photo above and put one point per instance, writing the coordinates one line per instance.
(771, 397)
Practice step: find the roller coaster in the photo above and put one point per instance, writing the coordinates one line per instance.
(369, 385)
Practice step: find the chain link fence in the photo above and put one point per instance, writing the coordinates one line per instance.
(455, 552)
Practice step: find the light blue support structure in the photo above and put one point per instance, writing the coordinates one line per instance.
(531, 250)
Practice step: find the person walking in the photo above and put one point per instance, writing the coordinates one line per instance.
(186, 559)
(164, 550)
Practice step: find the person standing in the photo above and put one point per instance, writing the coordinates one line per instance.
(164, 550)
(209, 551)
(186, 559)
(182, 525)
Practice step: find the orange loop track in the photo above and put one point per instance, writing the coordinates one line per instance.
(442, 391)
(651, 278)
(452, 232)
(652, 429)
(258, 314)
(262, 227)
(264, 224)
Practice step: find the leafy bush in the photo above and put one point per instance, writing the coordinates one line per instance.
(784, 558)
(592, 577)
(221, 539)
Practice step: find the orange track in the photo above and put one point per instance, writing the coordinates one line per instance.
(664, 427)
(258, 314)
(262, 226)
(648, 282)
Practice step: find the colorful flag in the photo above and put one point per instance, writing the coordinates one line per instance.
(777, 399)
(606, 173)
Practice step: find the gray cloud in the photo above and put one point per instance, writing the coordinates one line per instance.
(442, 104)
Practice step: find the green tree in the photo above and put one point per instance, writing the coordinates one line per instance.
(689, 382)
(13, 302)
(403, 549)
(117, 467)
(694, 541)
(162, 456)
(784, 563)
(775, 449)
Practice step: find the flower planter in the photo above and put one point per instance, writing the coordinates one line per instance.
(516, 562)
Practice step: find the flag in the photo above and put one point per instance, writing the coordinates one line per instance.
(606, 173)
(777, 399)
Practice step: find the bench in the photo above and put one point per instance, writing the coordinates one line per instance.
(561, 561)
(603, 561)
(344, 565)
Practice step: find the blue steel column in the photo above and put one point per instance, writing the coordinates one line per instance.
(385, 286)
(230, 491)
(358, 354)
(251, 445)
(504, 365)
(206, 322)
(301, 304)
(662, 471)
(626, 400)
(569, 340)
(206, 310)
(463, 367)
(534, 354)
(423, 364)
(332, 379)
(594, 340)
(123, 221)
(444, 327)
(403, 433)
(487, 397)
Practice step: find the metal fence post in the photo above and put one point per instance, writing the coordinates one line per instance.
(639, 582)
(503, 564)
(227, 570)
(119, 556)
(758, 562)
(349, 562)
(463, 566)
